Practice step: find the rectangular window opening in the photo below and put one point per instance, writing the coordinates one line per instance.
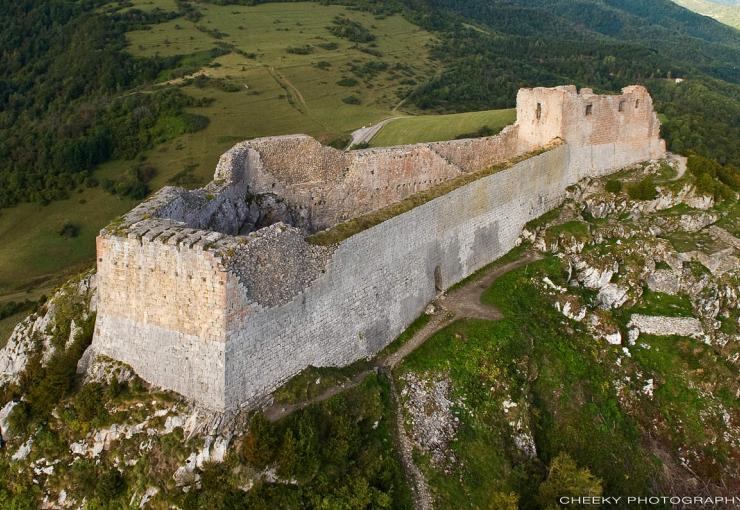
(589, 109)
(621, 106)
(538, 111)
(637, 103)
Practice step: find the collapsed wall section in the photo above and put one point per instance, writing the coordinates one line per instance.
(329, 186)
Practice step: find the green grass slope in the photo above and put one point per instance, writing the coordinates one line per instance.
(433, 128)
(727, 14)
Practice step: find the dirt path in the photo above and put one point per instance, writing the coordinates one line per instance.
(464, 302)
(290, 89)
(277, 411)
(680, 167)
(460, 303)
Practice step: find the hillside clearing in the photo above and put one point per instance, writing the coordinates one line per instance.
(433, 128)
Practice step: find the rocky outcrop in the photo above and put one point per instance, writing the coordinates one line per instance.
(64, 311)
(429, 407)
(665, 326)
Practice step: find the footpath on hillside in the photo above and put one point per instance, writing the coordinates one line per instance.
(463, 302)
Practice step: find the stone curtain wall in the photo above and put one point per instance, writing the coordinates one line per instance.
(223, 319)
(378, 281)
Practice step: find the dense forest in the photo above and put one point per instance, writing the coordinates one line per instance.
(72, 98)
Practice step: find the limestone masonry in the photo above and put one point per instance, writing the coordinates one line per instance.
(216, 293)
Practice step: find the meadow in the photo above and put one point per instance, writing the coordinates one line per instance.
(433, 128)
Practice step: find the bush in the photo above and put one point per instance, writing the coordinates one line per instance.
(613, 185)
(712, 178)
(109, 485)
(340, 142)
(352, 30)
(347, 82)
(483, 131)
(643, 190)
(300, 50)
(69, 230)
(14, 307)
(566, 479)
(89, 402)
(194, 122)
(259, 443)
(351, 100)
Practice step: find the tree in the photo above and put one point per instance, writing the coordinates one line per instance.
(565, 478)
(259, 443)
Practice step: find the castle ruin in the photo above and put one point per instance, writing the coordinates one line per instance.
(219, 294)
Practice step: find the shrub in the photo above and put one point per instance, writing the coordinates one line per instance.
(712, 178)
(347, 82)
(565, 478)
(361, 145)
(643, 190)
(14, 307)
(349, 29)
(613, 185)
(259, 443)
(339, 142)
(109, 485)
(300, 50)
(89, 402)
(69, 230)
(483, 131)
(194, 122)
(351, 100)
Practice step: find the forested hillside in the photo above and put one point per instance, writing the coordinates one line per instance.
(601, 44)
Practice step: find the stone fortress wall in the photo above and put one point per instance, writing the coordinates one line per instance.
(216, 293)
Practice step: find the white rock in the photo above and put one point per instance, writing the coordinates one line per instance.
(648, 388)
(4, 416)
(612, 295)
(614, 338)
(547, 281)
(23, 451)
(667, 281)
(632, 335)
(173, 422)
(666, 326)
(148, 494)
(591, 277)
